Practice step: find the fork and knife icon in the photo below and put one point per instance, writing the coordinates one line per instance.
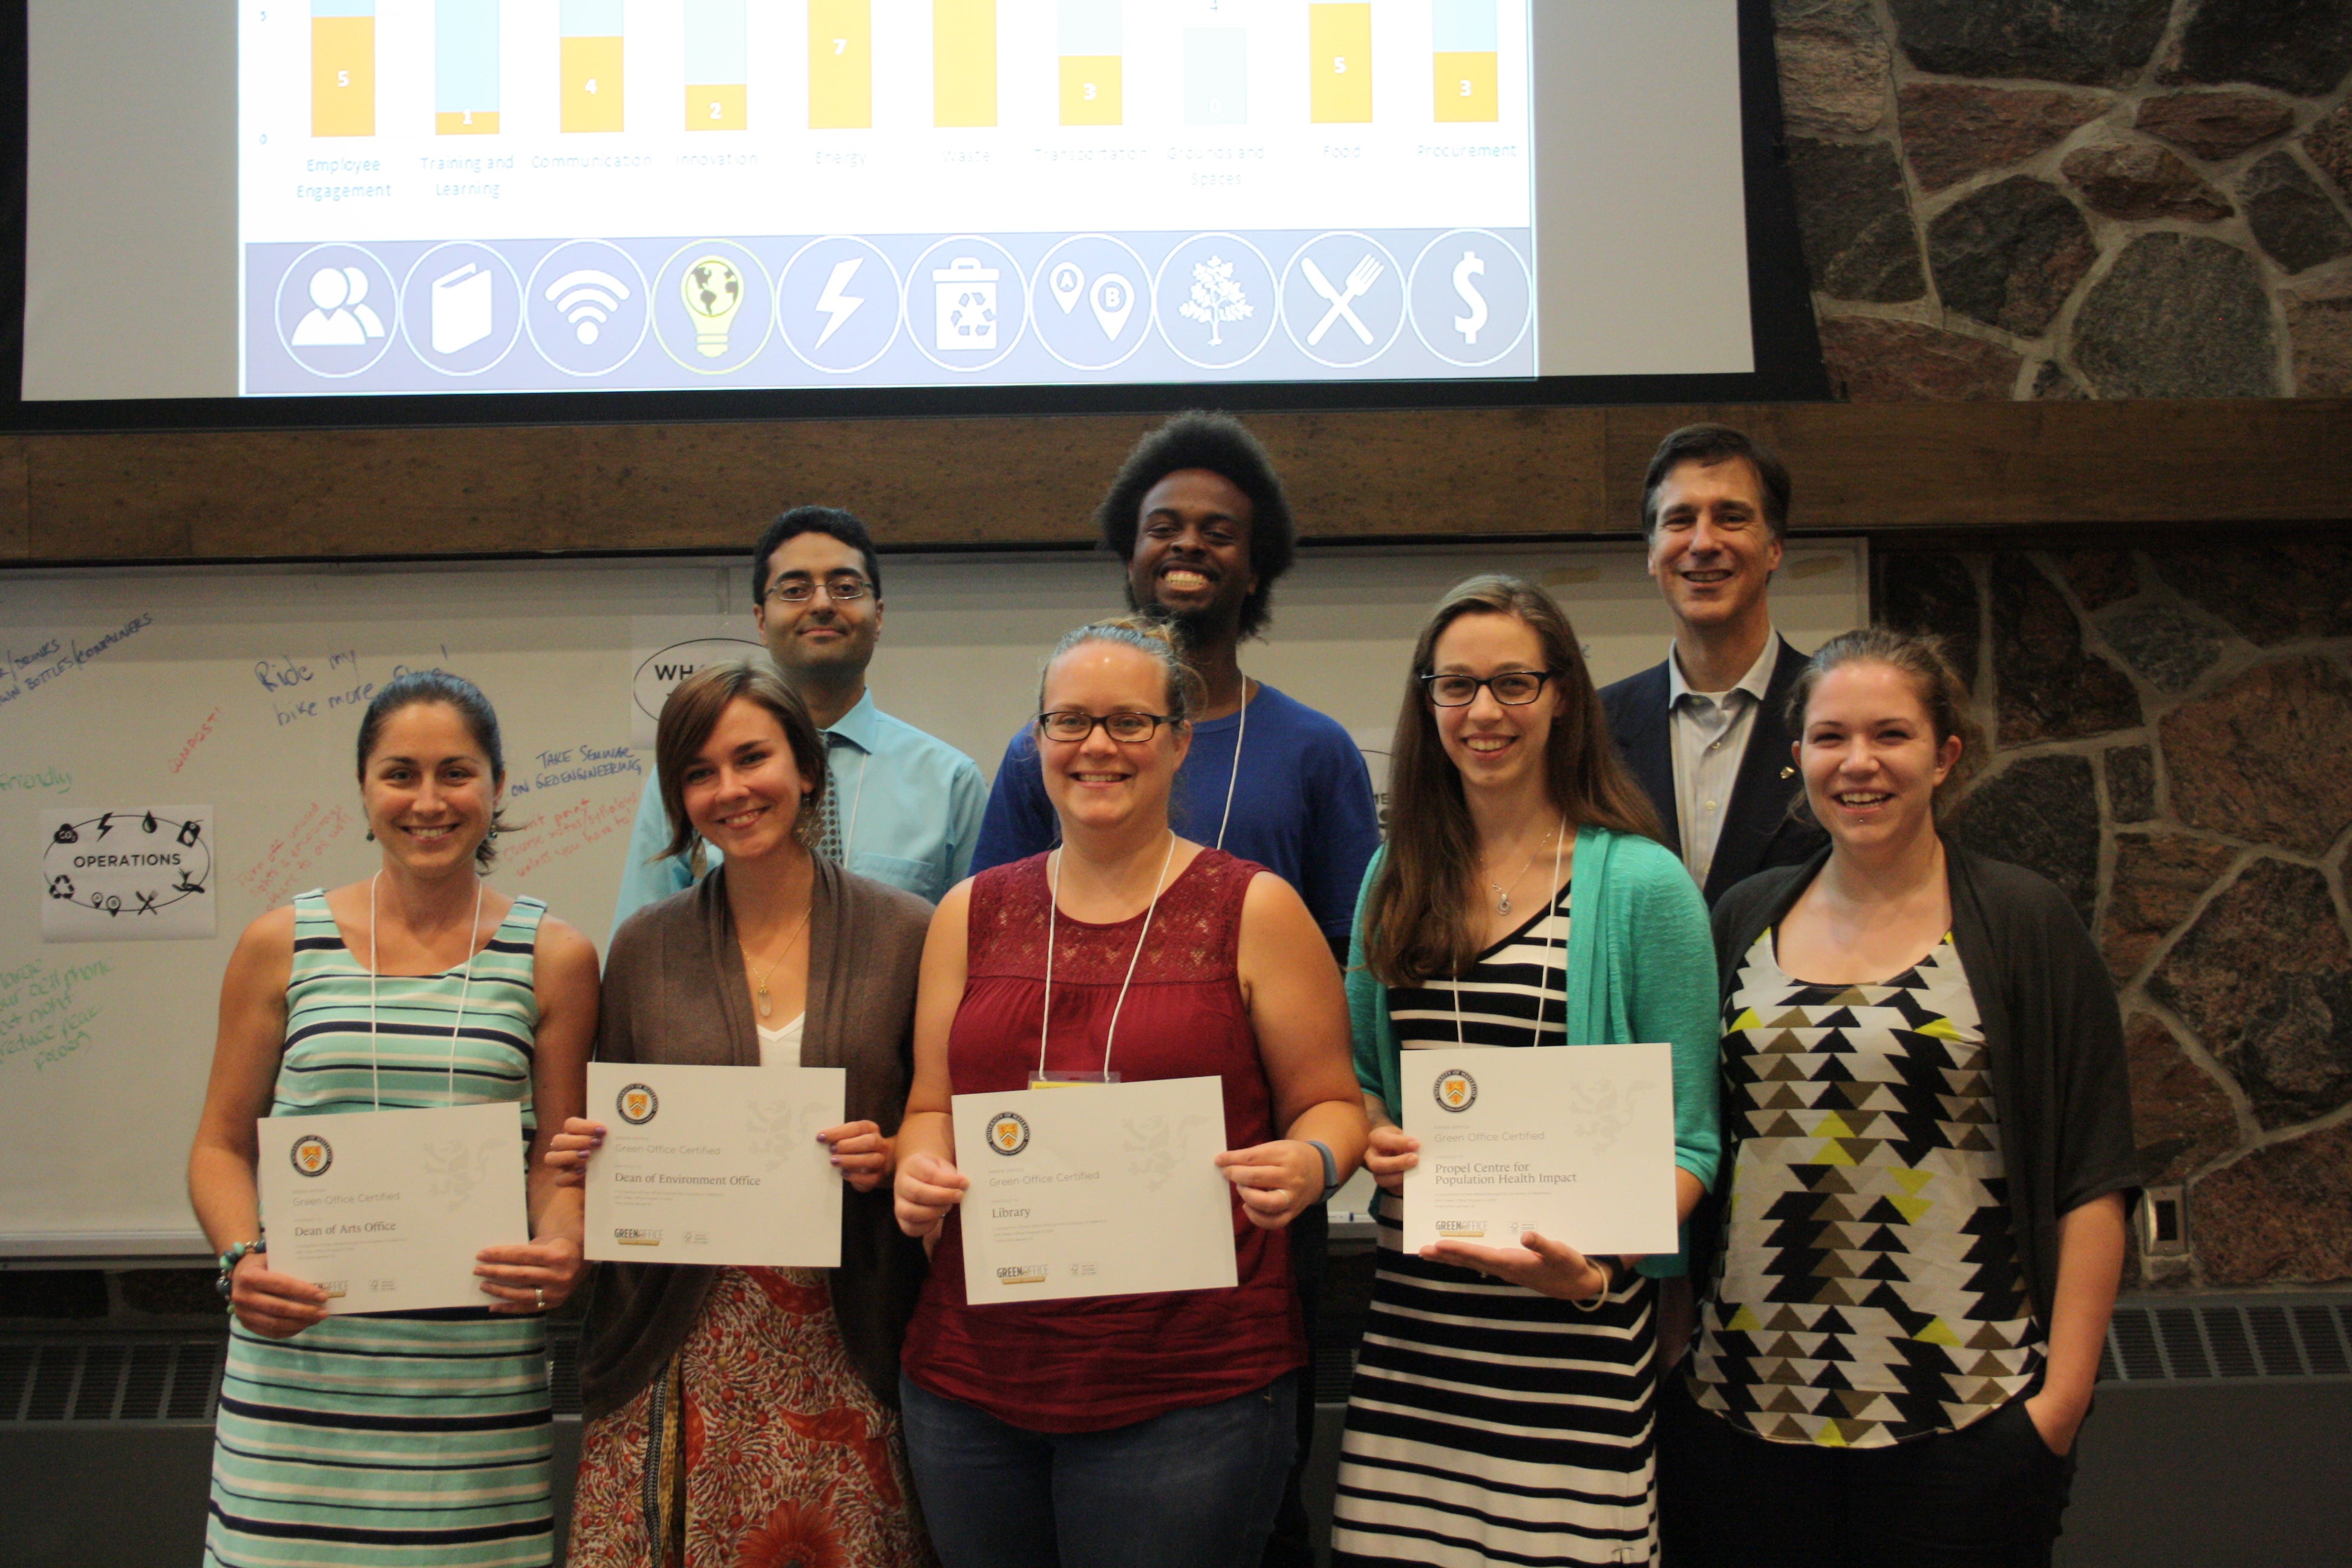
(1362, 276)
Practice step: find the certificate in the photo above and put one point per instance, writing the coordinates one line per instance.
(387, 1209)
(1105, 1189)
(1574, 1142)
(715, 1165)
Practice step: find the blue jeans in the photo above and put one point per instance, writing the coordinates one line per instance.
(1192, 1489)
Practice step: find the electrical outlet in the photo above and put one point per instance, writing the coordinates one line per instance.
(2164, 1222)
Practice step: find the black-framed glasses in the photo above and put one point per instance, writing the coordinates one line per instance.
(1512, 687)
(1071, 724)
(800, 590)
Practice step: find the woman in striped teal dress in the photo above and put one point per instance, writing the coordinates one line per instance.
(400, 1441)
(1502, 1405)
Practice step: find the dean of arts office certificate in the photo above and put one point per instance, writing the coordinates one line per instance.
(386, 1209)
(1107, 1189)
(715, 1165)
(1575, 1143)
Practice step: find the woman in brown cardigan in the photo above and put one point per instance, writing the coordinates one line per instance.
(748, 1415)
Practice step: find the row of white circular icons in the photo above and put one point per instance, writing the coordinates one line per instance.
(955, 287)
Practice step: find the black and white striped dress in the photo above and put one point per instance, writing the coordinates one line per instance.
(1489, 1423)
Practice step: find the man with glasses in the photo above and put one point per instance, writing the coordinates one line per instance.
(1702, 731)
(1199, 520)
(904, 807)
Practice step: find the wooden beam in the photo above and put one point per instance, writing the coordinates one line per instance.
(962, 483)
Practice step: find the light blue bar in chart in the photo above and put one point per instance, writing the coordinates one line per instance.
(1465, 26)
(343, 8)
(1092, 28)
(465, 57)
(716, 52)
(1216, 76)
(591, 19)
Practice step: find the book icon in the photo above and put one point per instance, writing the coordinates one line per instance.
(461, 309)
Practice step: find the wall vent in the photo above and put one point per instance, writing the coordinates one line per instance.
(2228, 1340)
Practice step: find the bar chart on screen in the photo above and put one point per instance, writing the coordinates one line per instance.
(590, 59)
(342, 68)
(465, 68)
(717, 66)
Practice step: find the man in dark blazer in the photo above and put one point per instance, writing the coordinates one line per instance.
(1702, 731)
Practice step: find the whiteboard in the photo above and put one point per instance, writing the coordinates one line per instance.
(241, 688)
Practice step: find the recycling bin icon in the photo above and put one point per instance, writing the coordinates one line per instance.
(967, 305)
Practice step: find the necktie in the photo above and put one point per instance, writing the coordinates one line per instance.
(829, 813)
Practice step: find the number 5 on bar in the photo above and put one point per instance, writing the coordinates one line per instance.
(1095, 1190)
(1575, 1143)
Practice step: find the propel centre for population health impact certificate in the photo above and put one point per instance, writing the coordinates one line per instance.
(387, 1209)
(1107, 1189)
(715, 1165)
(1575, 1143)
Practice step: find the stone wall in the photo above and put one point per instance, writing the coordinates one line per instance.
(2074, 198)
(2173, 746)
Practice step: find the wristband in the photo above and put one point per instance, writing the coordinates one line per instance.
(235, 1256)
(1330, 1169)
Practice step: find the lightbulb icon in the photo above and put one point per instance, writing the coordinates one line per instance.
(714, 293)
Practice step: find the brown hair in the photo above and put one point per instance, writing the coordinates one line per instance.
(1148, 634)
(1921, 661)
(417, 686)
(692, 711)
(1417, 923)
(1707, 445)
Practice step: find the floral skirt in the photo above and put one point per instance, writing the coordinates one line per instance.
(758, 1446)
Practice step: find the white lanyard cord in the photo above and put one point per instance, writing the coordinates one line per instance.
(1052, 907)
(1240, 735)
(1544, 973)
(464, 989)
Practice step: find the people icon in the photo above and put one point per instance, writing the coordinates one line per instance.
(341, 317)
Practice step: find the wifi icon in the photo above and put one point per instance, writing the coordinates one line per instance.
(586, 300)
(589, 307)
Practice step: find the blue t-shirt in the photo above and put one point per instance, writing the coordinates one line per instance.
(1302, 804)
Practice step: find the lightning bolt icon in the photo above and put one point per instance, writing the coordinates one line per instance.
(833, 302)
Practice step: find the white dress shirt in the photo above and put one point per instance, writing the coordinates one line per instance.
(1710, 732)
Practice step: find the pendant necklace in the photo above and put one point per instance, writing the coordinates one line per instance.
(1503, 890)
(759, 990)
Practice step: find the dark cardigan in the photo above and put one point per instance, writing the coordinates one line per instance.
(674, 992)
(2052, 1035)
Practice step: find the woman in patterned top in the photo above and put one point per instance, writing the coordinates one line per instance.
(1501, 1411)
(1922, 1235)
(403, 1438)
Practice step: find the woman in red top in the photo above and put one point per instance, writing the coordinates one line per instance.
(1141, 1430)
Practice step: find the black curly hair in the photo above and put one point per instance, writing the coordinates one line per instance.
(1224, 445)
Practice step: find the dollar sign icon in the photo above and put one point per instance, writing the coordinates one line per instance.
(1471, 325)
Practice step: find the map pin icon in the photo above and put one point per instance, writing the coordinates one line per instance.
(1068, 283)
(1114, 301)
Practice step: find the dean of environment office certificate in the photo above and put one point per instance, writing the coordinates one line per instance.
(1575, 1143)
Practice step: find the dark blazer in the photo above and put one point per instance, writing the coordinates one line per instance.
(1757, 831)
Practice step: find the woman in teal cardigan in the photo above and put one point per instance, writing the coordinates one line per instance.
(1502, 1405)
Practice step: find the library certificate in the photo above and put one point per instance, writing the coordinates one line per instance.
(716, 1166)
(387, 1209)
(1575, 1143)
(1104, 1189)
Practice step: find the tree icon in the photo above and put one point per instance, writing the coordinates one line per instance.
(1216, 298)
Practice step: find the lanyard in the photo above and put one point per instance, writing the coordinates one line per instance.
(1052, 907)
(1240, 735)
(375, 1074)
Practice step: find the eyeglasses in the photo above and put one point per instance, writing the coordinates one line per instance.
(1512, 687)
(1070, 724)
(841, 591)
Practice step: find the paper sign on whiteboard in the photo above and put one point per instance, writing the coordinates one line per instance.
(141, 874)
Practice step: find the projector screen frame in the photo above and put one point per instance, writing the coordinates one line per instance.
(1786, 340)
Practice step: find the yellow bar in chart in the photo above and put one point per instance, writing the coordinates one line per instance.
(1091, 90)
(963, 62)
(717, 66)
(1465, 40)
(342, 68)
(590, 64)
(1339, 55)
(841, 65)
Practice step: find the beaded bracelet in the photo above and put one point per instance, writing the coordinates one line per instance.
(235, 1256)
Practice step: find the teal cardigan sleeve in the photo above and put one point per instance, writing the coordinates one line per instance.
(1368, 1012)
(1669, 986)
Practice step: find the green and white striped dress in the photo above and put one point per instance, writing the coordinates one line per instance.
(407, 1439)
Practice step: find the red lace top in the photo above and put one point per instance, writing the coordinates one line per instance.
(1090, 1365)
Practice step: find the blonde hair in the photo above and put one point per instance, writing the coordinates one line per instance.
(1921, 661)
(1148, 635)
